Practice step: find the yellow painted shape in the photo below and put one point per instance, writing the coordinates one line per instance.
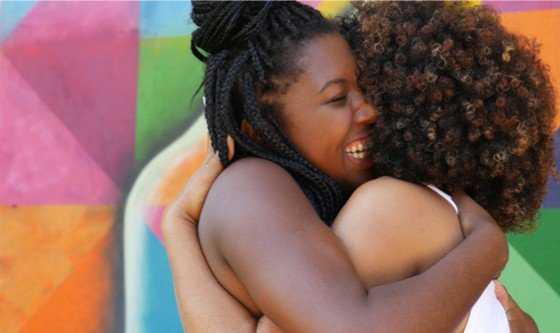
(39, 248)
(332, 8)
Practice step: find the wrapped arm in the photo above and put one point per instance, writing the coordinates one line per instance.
(204, 305)
(298, 274)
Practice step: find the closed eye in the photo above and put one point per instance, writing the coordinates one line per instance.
(340, 99)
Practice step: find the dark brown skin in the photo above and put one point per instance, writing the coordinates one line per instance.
(288, 259)
(210, 308)
(325, 111)
(393, 230)
(269, 249)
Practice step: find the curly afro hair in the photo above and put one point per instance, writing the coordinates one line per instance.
(463, 103)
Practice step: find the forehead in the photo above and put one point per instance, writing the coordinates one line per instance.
(326, 58)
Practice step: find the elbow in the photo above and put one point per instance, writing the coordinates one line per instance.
(375, 314)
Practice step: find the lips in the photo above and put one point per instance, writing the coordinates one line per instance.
(359, 149)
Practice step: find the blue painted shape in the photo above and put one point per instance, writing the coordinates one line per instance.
(165, 19)
(552, 199)
(11, 14)
(150, 299)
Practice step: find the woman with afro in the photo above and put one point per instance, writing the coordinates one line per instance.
(463, 104)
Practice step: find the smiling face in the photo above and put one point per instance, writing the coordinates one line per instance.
(325, 114)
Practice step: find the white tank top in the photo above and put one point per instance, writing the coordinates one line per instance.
(487, 314)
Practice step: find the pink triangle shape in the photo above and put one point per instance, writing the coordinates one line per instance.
(81, 59)
(41, 163)
(152, 217)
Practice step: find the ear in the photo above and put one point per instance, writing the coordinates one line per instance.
(248, 129)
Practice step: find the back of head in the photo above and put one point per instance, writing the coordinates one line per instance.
(463, 103)
(251, 50)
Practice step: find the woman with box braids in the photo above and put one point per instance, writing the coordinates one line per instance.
(250, 47)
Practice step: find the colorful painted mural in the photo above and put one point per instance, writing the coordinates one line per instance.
(99, 129)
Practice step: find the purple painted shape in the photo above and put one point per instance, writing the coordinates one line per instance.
(552, 199)
(516, 6)
(81, 58)
(41, 163)
(153, 216)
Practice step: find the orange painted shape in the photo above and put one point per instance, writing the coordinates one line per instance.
(84, 301)
(542, 25)
(177, 172)
(39, 248)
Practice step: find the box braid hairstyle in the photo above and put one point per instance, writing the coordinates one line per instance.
(463, 103)
(252, 50)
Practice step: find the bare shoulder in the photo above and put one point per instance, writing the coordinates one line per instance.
(390, 206)
(252, 171)
(253, 193)
(252, 179)
(399, 198)
(403, 227)
(384, 186)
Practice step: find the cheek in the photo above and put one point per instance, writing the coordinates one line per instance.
(324, 144)
(320, 136)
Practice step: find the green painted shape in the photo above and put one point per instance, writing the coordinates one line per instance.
(541, 249)
(168, 77)
(533, 294)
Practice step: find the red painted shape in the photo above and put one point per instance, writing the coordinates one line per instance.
(81, 59)
(41, 162)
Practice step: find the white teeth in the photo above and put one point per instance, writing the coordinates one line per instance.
(359, 150)
(359, 155)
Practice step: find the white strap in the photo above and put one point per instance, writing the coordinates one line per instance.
(445, 196)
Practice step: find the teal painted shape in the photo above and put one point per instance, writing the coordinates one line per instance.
(150, 299)
(11, 14)
(165, 19)
(533, 294)
(541, 249)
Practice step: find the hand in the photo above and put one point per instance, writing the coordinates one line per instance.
(519, 321)
(188, 205)
(473, 217)
(471, 214)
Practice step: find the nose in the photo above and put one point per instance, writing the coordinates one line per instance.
(366, 113)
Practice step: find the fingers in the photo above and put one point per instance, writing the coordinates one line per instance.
(461, 199)
(231, 147)
(191, 199)
(210, 153)
(518, 320)
(209, 150)
(502, 295)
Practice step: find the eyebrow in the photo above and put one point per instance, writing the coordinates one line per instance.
(335, 81)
